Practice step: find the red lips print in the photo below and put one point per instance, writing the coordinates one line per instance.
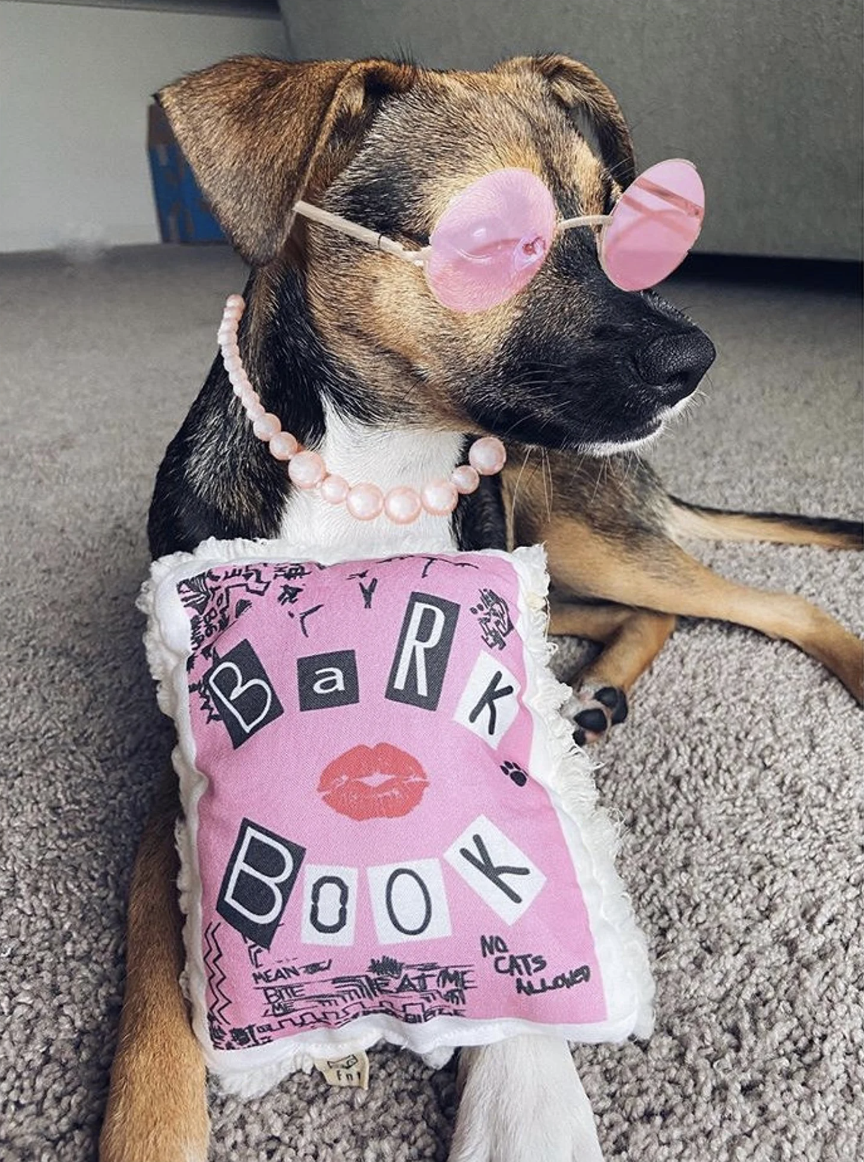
(377, 782)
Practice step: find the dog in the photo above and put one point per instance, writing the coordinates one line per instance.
(348, 347)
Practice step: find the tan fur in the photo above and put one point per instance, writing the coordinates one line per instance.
(157, 1109)
(748, 527)
(285, 116)
(632, 639)
(652, 573)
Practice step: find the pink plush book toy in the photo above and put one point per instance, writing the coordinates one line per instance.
(388, 833)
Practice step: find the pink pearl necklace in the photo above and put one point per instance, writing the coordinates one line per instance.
(307, 469)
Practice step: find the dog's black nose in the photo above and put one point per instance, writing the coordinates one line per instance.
(674, 364)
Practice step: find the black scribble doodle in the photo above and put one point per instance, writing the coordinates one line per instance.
(430, 561)
(416, 993)
(385, 966)
(217, 1033)
(515, 772)
(241, 607)
(493, 614)
(316, 967)
(288, 594)
(194, 592)
(242, 1038)
(358, 576)
(216, 977)
(307, 613)
(367, 591)
(206, 700)
(254, 952)
(292, 572)
(211, 595)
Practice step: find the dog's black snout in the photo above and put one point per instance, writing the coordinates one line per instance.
(674, 364)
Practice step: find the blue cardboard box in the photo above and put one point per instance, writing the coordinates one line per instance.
(184, 215)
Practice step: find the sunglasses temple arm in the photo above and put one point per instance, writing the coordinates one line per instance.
(674, 223)
(361, 233)
(585, 220)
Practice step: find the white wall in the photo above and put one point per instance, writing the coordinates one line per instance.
(74, 88)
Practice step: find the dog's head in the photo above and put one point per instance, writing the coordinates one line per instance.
(570, 362)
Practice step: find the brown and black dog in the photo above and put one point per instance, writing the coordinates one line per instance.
(349, 348)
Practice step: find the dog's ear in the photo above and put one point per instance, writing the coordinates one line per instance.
(261, 133)
(594, 109)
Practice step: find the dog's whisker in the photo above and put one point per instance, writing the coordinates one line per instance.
(547, 481)
(518, 483)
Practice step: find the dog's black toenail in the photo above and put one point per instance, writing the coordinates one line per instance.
(593, 720)
(619, 714)
(608, 696)
(579, 736)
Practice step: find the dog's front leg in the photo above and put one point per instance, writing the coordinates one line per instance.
(522, 1101)
(157, 1108)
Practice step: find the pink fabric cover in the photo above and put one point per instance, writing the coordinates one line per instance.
(375, 835)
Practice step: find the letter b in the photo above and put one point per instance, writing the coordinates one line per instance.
(258, 882)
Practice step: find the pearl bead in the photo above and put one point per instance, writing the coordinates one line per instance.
(487, 456)
(439, 497)
(402, 505)
(239, 379)
(365, 501)
(267, 426)
(306, 469)
(465, 478)
(283, 446)
(254, 410)
(334, 488)
(235, 301)
(232, 363)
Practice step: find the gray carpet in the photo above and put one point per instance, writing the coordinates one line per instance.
(738, 775)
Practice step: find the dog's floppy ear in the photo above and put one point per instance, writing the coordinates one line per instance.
(597, 114)
(261, 133)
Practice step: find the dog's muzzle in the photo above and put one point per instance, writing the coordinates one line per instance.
(673, 365)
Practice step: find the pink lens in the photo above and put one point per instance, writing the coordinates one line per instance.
(655, 222)
(491, 240)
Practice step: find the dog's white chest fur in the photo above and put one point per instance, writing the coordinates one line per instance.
(386, 458)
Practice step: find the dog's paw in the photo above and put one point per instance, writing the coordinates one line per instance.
(522, 1101)
(594, 710)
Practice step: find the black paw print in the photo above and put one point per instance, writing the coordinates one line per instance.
(515, 772)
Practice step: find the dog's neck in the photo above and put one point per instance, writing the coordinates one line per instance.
(326, 407)
(219, 480)
(386, 456)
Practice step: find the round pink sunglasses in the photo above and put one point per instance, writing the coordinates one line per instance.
(494, 236)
